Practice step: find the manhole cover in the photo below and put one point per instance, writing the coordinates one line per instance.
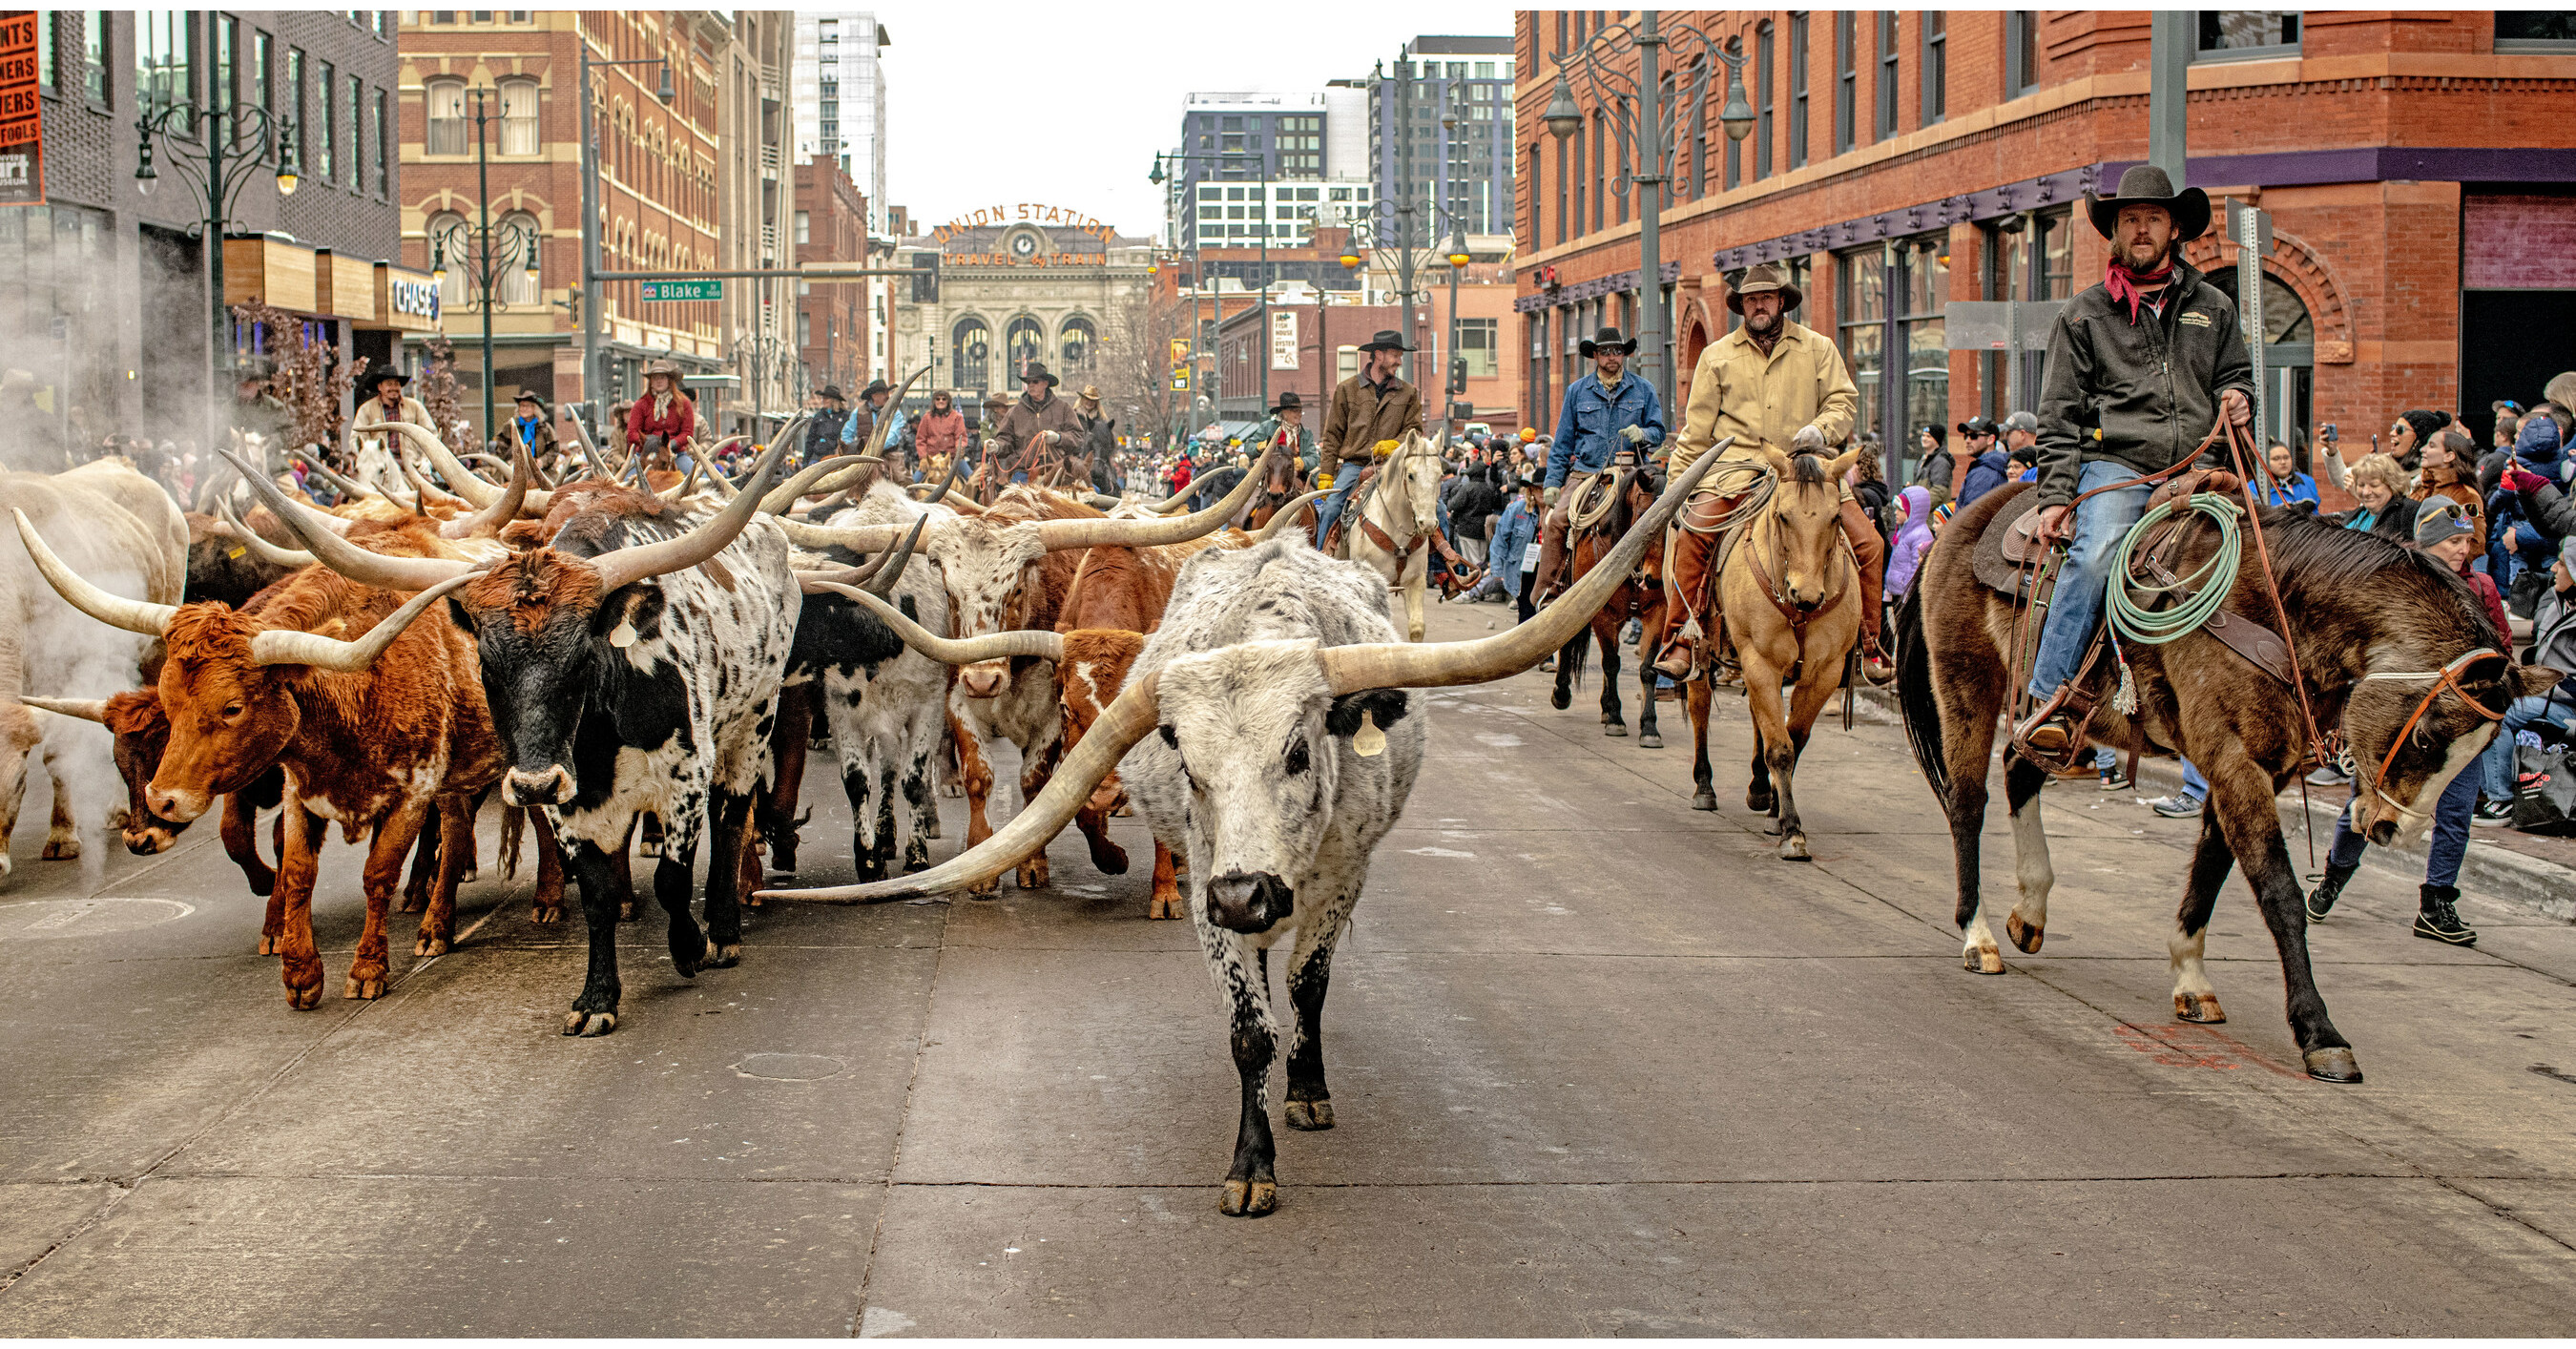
(43, 919)
(791, 1067)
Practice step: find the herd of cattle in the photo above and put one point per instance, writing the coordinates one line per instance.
(624, 649)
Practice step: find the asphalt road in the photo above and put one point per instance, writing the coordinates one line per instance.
(1601, 1065)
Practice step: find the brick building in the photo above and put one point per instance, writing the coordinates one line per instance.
(832, 328)
(2419, 169)
(684, 184)
(103, 289)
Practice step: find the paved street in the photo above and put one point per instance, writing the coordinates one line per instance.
(1601, 1065)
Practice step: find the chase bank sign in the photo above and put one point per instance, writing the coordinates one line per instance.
(416, 299)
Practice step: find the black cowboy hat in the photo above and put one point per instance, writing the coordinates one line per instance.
(1037, 371)
(1609, 336)
(1387, 339)
(1762, 277)
(376, 378)
(832, 392)
(1289, 400)
(875, 387)
(2147, 185)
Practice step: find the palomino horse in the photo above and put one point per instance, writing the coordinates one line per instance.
(1392, 531)
(2379, 639)
(1639, 595)
(1789, 597)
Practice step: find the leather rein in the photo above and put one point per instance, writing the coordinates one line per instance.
(1797, 618)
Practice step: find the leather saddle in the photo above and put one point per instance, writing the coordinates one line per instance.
(1351, 507)
(2008, 543)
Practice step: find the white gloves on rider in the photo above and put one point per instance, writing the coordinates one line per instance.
(1809, 440)
(1636, 435)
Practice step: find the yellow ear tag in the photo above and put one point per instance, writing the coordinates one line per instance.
(1368, 741)
(623, 636)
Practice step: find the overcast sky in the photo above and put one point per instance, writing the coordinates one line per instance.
(1066, 104)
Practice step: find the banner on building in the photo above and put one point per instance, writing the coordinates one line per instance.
(1283, 339)
(22, 117)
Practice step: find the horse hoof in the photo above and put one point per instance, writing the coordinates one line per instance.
(1985, 960)
(1704, 799)
(1650, 740)
(590, 1024)
(1616, 729)
(2335, 1064)
(2200, 1007)
(1311, 1116)
(1560, 700)
(1248, 1198)
(1760, 803)
(2027, 936)
(724, 957)
(1794, 849)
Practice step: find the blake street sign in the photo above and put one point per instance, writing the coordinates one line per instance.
(682, 290)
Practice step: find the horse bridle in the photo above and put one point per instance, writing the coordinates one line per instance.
(1797, 618)
(2448, 677)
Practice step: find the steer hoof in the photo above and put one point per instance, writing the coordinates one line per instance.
(303, 981)
(2027, 936)
(1164, 908)
(413, 904)
(61, 849)
(1312, 1116)
(724, 957)
(2200, 1007)
(2333, 1064)
(1794, 849)
(991, 889)
(545, 915)
(267, 946)
(1033, 874)
(429, 946)
(1650, 740)
(364, 990)
(590, 1023)
(626, 911)
(1248, 1198)
(1984, 960)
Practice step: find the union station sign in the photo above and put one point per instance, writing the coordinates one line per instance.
(1028, 234)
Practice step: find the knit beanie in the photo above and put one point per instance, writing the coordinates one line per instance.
(2440, 518)
(2567, 554)
(2425, 424)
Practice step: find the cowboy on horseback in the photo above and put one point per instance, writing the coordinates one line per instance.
(2140, 367)
(1775, 387)
(1040, 436)
(1605, 414)
(1370, 409)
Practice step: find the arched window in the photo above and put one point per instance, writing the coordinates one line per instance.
(1074, 345)
(519, 117)
(1021, 342)
(444, 100)
(519, 281)
(449, 242)
(970, 343)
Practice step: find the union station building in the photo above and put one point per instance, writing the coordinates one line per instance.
(2419, 169)
(1013, 284)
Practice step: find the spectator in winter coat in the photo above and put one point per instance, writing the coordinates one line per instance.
(2446, 458)
(2554, 645)
(1513, 535)
(1914, 535)
(2537, 453)
(1989, 465)
(2288, 486)
(2380, 486)
(2410, 433)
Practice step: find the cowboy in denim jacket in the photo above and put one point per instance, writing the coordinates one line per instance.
(1605, 412)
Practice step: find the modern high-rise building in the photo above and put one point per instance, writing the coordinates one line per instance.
(1455, 115)
(840, 98)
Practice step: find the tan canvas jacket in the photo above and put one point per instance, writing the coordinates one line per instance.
(1763, 401)
(1359, 418)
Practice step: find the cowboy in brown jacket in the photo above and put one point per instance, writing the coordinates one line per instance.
(1041, 426)
(1370, 408)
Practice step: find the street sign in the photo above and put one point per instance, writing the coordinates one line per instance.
(22, 122)
(1283, 339)
(1181, 379)
(1180, 350)
(703, 289)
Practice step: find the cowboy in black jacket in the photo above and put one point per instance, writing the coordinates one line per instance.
(2140, 368)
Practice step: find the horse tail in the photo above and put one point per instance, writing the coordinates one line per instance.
(1914, 694)
(1571, 657)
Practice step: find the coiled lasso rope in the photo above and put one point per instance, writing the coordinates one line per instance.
(2207, 587)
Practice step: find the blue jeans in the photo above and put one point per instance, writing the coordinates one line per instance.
(1346, 478)
(2193, 784)
(2081, 580)
(2495, 766)
(2450, 841)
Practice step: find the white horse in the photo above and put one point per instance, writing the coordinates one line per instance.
(1404, 511)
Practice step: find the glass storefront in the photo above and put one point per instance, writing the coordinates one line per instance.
(54, 327)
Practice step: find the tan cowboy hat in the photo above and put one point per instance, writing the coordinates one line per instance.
(1090, 393)
(670, 368)
(1762, 277)
(2147, 185)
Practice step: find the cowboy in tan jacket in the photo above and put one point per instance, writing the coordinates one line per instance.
(1772, 384)
(1372, 408)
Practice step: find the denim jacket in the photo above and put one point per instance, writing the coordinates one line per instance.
(1587, 432)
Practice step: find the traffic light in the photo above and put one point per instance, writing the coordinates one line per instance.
(1457, 374)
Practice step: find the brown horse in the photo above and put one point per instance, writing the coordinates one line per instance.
(1640, 595)
(2386, 643)
(1789, 599)
(1279, 484)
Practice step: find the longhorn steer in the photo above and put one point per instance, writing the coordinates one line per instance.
(1271, 744)
(632, 663)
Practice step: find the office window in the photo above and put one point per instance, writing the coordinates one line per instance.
(1886, 118)
(1479, 341)
(804, 227)
(296, 107)
(330, 125)
(1860, 298)
(447, 254)
(263, 74)
(2535, 30)
(1797, 91)
(162, 76)
(47, 69)
(2247, 34)
(1936, 67)
(1846, 79)
(1762, 103)
(384, 144)
(444, 101)
(517, 282)
(226, 40)
(347, 117)
(519, 117)
(2021, 52)
(1600, 168)
(94, 54)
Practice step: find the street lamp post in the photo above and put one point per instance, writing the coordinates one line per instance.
(216, 161)
(489, 262)
(591, 391)
(1644, 143)
(1198, 268)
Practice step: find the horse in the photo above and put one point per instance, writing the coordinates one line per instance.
(1639, 595)
(1391, 532)
(2374, 637)
(1279, 483)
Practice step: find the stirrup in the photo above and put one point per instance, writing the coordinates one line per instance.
(2050, 731)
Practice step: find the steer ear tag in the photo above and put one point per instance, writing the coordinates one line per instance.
(623, 635)
(1368, 741)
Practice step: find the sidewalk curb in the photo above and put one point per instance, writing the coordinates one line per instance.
(2489, 872)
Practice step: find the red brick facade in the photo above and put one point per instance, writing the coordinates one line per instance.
(831, 317)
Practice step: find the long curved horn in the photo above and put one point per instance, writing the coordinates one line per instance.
(1129, 718)
(344, 487)
(500, 510)
(87, 709)
(886, 573)
(626, 566)
(1101, 503)
(957, 650)
(1146, 533)
(461, 481)
(207, 494)
(350, 560)
(962, 503)
(425, 493)
(1388, 665)
(856, 538)
(941, 493)
(589, 451)
(268, 552)
(285, 646)
(685, 485)
(1288, 512)
(116, 611)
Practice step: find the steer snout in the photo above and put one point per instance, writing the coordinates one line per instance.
(176, 806)
(984, 679)
(1241, 901)
(552, 787)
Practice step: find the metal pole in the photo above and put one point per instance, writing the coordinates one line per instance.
(483, 264)
(1404, 206)
(219, 353)
(1265, 295)
(591, 392)
(1461, 391)
(2169, 47)
(1650, 209)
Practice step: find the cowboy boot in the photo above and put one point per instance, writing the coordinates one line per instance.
(1869, 551)
(2322, 899)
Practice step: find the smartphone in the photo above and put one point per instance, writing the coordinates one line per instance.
(2328, 432)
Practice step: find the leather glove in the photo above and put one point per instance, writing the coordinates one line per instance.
(1809, 440)
(2520, 479)
(1635, 435)
(1548, 495)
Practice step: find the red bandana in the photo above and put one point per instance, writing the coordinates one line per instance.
(2123, 283)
